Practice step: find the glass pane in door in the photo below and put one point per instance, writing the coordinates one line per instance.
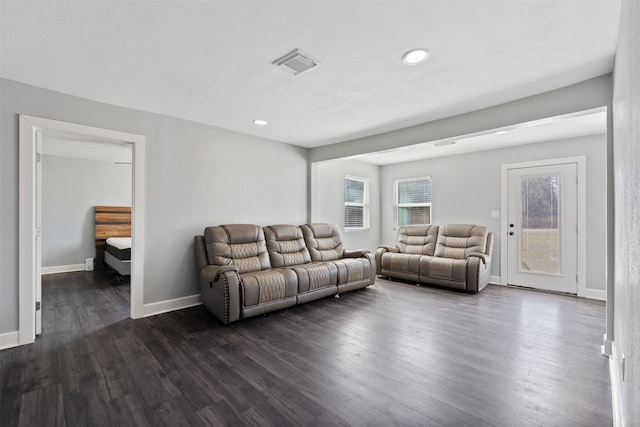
(540, 224)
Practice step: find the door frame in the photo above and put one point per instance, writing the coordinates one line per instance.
(581, 162)
(28, 196)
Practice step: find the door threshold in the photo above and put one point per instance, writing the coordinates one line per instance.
(546, 291)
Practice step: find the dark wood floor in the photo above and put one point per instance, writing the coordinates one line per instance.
(395, 354)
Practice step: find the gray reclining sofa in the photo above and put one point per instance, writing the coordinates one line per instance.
(247, 270)
(455, 256)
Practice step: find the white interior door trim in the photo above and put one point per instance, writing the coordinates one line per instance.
(38, 233)
(581, 163)
(29, 126)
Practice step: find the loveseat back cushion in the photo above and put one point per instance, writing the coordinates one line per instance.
(286, 246)
(417, 239)
(456, 241)
(242, 245)
(323, 241)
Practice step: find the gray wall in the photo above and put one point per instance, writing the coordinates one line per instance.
(196, 175)
(466, 188)
(626, 129)
(327, 199)
(71, 187)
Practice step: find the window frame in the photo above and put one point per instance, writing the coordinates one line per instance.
(365, 204)
(397, 204)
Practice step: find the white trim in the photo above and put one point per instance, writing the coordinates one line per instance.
(26, 232)
(29, 126)
(582, 226)
(599, 294)
(581, 163)
(64, 268)
(366, 208)
(605, 348)
(137, 229)
(9, 339)
(616, 387)
(495, 280)
(154, 308)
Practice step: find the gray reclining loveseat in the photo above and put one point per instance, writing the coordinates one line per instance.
(247, 270)
(455, 256)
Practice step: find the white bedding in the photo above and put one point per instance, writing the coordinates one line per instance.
(120, 242)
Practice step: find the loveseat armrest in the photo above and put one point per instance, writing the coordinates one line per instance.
(211, 273)
(478, 271)
(382, 249)
(357, 253)
(486, 259)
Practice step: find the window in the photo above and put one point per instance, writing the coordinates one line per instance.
(413, 201)
(356, 203)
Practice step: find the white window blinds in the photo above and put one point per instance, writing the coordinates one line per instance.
(413, 201)
(356, 203)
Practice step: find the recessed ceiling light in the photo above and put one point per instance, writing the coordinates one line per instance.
(415, 56)
(260, 122)
(501, 132)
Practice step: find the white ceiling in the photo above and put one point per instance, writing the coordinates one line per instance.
(211, 61)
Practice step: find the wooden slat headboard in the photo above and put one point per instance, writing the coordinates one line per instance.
(112, 221)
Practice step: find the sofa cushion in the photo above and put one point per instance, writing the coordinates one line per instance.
(405, 263)
(443, 268)
(260, 287)
(417, 239)
(242, 245)
(353, 270)
(286, 246)
(323, 241)
(457, 241)
(316, 276)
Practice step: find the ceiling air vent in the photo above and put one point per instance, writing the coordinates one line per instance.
(296, 62)
(443, 143)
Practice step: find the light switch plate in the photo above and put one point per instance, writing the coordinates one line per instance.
(495, 214)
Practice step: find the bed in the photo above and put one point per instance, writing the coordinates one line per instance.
(118, 254)
(113, 237)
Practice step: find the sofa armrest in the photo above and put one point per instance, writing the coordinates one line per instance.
(358, 253)
(484, 257)
(478, 271)
(211, 273)
(220, 292)
(382, 249)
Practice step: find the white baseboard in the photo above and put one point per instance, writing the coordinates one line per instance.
(9, 339)
(170, 305)
(494, 280)
(606, 346)
(64, 268)
(616, 387)
(598, 294)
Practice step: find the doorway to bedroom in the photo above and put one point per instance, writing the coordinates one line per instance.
(85, 192)
(73, 180)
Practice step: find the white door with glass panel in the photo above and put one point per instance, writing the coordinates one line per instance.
(542, 232)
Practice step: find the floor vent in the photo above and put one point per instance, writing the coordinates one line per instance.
(296, 62)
